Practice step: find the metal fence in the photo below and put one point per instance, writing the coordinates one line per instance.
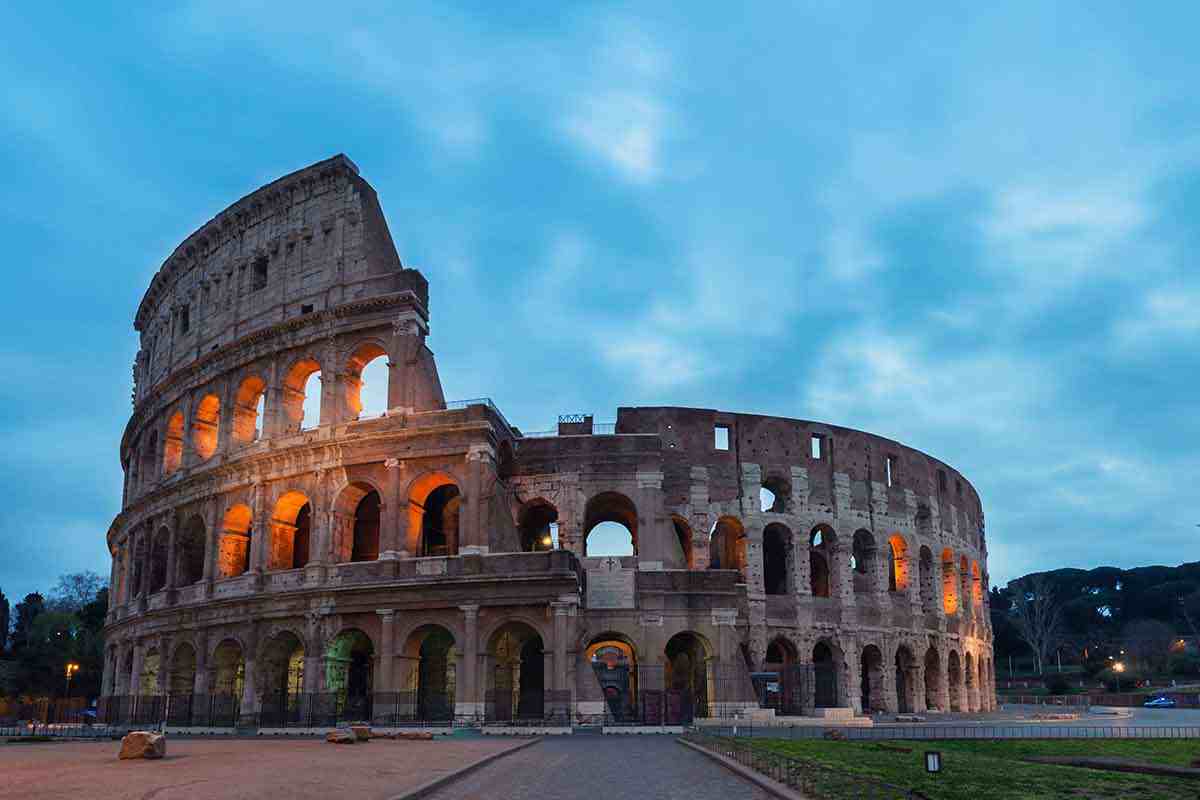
(810, 778)
(1120, 700)
(977, 731)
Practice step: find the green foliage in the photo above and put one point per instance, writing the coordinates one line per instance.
(1057, 683)
(1185, 664)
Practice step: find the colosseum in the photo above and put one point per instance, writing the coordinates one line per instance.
(430, 563)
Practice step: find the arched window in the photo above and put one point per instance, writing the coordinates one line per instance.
(820, 561)
(949, 583)
(537, 525)
(774, 494)
(302, 395)
(290, 527)
(434, 503)
(863, 561)
(683, 535)
(206, 424)
(897, 564)
(727, 545)
(248, 410)
(610, 526)
(517, 682)
(366, 528)
(173, 446)
(158, 560)
(189, 552)
(234, 557)
(366, 381)
(147, 472)
(777, 558)
(976, 586)
(926, 578)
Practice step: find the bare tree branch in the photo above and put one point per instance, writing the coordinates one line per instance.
(1036, 615)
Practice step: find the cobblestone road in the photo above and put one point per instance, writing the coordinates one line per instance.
(590, 766)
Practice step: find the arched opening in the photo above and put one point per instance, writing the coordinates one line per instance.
(897, 564)
(206, 424)
(229, 669)
(181, 679)
(440, 518)
(234, 556)
(610, 526)
(976, 586)
(159, 547)
(172, 446)
(773, 495)
(783, 694)
(366, 528)
(949, 583)
(825, 676)
(537, 524)
(189, 552)
(614, 663)
(925, 570)
(432, 678)
(906, 688)
(366, 381)
(954, 681)
(518, 673)
(281, 672)
(863, 552)
(687, 674)
(146, 472)
(248, 408)
(138, 558)
(777, 559)
(349, 672)
(291, 525)
(820, 560)
(148, 680)
(727, 545)
(683, 535)
(872, 680)
(970, 698)
(302, 395)
(933, 679)
(964, 579)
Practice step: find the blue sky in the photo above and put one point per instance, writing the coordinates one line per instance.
(974, 231)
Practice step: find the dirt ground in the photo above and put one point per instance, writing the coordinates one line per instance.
(200, 769)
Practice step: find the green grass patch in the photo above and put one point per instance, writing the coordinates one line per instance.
(993, 770)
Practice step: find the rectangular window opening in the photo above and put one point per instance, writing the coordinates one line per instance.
(721, 437)
(185, 320)
(306, 309)
(942, 479)
(258, 280)
(890, 466)
(815, 444)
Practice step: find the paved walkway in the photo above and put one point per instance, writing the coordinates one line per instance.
(235, 769)
(591, 766)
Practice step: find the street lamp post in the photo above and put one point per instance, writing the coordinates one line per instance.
(72, 668)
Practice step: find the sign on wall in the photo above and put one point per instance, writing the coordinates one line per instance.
(609, 585)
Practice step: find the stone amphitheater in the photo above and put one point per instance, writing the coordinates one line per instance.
(431, 561)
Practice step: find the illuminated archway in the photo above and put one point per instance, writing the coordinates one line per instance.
(613, 518)
(206, 426)
(537, 522)
(172, 445)
(431, 659)
(249, 406)
(234, 556)
(517, 682)
(434, 508)
(369, 361)
(291, 525)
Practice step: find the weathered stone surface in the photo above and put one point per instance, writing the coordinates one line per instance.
(341, 737)
(361, 732)
(143, 744)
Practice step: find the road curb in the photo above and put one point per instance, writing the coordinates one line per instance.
(432, 786)
(770, 785)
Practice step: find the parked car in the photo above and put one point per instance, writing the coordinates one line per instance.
(1162, 701)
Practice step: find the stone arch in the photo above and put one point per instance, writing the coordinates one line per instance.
(727, 544)
(248, 407)
(206, 426)
(616, 508)
(181, 677)
(906, 680)
(822, 542)
(933, 679)
(290, 531)
(898, 564)
(139, 558)
(152, 664)
(537, 521)
(778, 556)
(147, 458)
(517, 680)
(872, 679)
(234, 550)
(229, 667)
(357, 515)
(976, 586)
(781, 654)
(687, 669)
(780, 489)
(925, 578)
(159, 547)
(828, 663)
(613, 658)
(431, 662)
(970, 688)
(683, 535)
(964, 580)
(295, 387)
(281, 664)
(864, 554)
(190, 547)
(954, 680)
(350, 665)
(364, 353)
(949, 583)
(434, 505)
(172, 445)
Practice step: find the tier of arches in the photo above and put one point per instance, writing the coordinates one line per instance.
(251, 406)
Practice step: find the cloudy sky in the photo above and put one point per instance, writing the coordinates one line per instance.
(974, 232)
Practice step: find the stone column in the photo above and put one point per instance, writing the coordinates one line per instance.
(212, 541)
(473, 535)
(135, 673)
(164, 665)
(260, 531)
(225, 418)
(200, 682)
(313, 655)
(561, 611)
(391, 544)
(470, 705)
(248, 711)
(387, 650)
(917, 674)
(172, 541)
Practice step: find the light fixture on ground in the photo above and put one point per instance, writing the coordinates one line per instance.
(933, 761)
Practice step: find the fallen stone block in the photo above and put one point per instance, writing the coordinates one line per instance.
(341, 737)
(415, 736)
(143, 744)
(361, 732)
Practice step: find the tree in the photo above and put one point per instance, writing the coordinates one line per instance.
(3, 623)
(1149, 641)
(1037, 615)
(27, 611)
(75, 590)
(1189, 609)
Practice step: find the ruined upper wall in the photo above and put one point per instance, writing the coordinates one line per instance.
(308, 241)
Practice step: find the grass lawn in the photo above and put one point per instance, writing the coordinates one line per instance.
(992, 770)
